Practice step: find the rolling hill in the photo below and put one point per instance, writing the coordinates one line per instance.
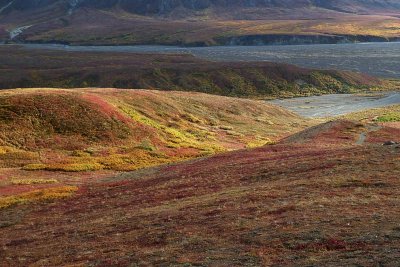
(40, 68)
(198, 22)
(110, 129)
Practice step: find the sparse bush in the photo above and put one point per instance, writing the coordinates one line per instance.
(192, 118)
(146, 145)
(226, 128)
(79, 153)
(233, 133)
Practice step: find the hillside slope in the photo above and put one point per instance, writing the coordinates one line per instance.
(324, 201)
(95, 129)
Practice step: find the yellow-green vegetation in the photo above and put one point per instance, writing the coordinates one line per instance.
(174, 137)
(386, 114)
(12, 157)
(38, 195)
(136, 159)
(259, 141)
(122, 130)
(32, 181)
(391, 117)
(74, 167)
(34, 167)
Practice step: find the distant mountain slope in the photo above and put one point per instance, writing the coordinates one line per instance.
(162, 7)
(193, 22)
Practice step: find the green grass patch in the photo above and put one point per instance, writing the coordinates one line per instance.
(394, 117)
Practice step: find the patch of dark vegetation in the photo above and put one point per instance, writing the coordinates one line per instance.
(330, 244)
(293, 39)
(359, 183)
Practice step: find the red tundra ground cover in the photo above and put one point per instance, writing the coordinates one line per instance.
(308, 201)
